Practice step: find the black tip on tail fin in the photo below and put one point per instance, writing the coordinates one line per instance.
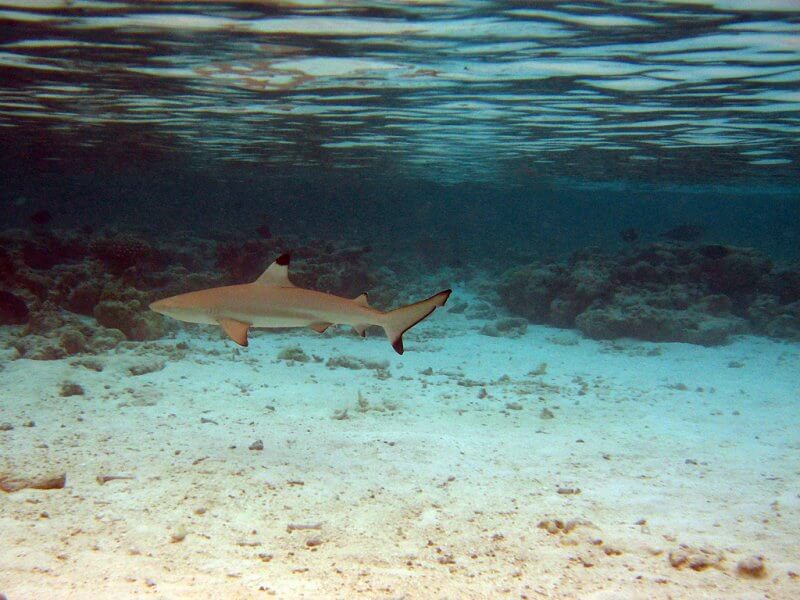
(284, 259)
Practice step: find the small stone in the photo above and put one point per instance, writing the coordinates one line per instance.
(293, 353)
(513, 406)
(73, 342)
(314, 541)
(546, 414)
(363, 403)
(340, 414)
(752, 566)
(29, 424)
(150, 582)
(178, 535)
(6, 427)
(47, 481)
(554, 526)
(697, 559)
(550, 526)
(146, 367)
(678, 558)
(257, 445)
(71, 389)
(540, 370)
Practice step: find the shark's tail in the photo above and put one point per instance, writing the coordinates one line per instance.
(397, 322)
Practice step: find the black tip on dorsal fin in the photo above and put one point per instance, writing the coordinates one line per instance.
(284, 259)
(398, 345)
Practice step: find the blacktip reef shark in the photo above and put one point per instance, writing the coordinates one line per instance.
(273, 301)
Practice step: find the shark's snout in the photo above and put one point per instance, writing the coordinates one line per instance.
(159, 306)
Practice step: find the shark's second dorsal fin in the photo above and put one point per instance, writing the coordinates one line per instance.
(277, 273)
(362, 300)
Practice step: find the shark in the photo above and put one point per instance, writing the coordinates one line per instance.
(273, 300)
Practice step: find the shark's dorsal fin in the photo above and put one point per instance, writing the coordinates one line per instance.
(362, 300)
(236, 330)
(277, 273)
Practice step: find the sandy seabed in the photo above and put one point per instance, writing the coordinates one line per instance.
(545, 466)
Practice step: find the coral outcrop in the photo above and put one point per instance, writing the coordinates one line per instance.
(121, 251)
(54, 333)
(695, 293)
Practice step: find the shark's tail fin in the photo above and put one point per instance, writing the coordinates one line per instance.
(397, 322)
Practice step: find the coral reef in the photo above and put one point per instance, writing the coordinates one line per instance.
(54, 333)
(668, 291)
(121, 251)
(74, 294)
(131, 318)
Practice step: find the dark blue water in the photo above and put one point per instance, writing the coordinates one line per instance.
(500, 129)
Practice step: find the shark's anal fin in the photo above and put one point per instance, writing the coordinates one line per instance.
(320, 327)
(236, 330)
(277, 273)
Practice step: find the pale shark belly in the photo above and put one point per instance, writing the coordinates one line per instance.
(301, 318)
(265, 316)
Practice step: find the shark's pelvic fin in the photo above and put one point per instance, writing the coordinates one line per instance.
(236, 330)
(361, 330)
(277, 273)
(320, 327)
(396, 322)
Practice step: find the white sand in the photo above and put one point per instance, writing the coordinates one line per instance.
(439, 498)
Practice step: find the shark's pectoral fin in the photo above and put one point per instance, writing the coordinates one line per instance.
(360, 330)
(236, 330)
(320, 327)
